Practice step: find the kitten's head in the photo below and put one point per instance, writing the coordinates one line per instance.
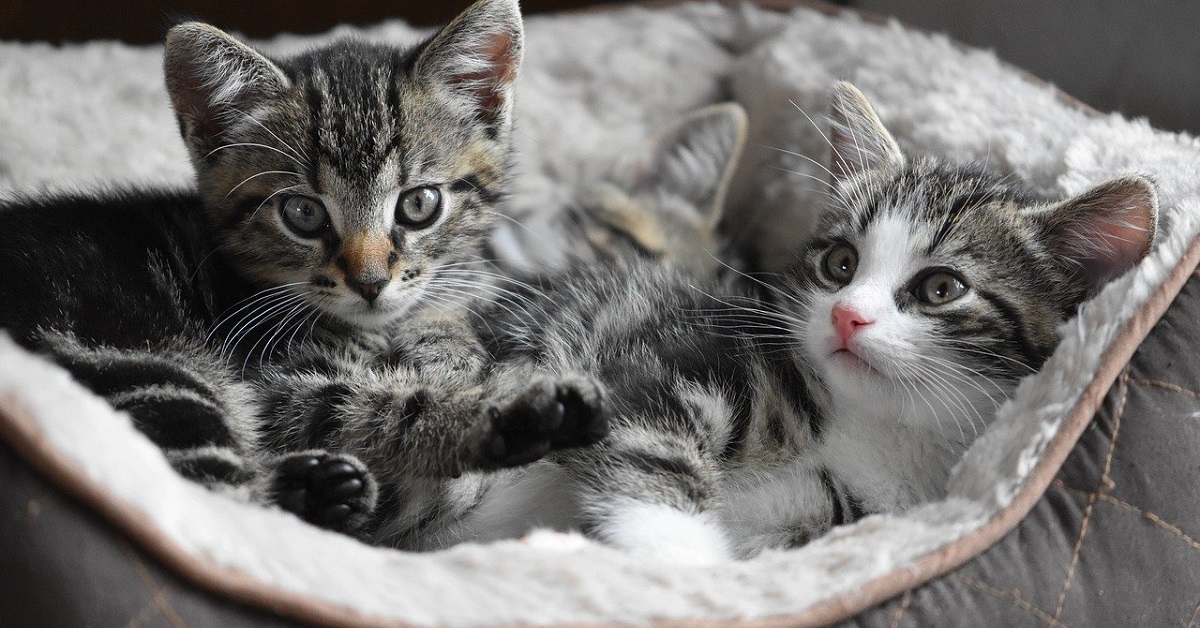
(660, 203)
(931, 288)
(352, 172)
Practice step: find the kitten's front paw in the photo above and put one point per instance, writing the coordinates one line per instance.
(550, 414)
(585, 411)
(332, 491)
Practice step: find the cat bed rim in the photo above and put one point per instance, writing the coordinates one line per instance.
(20, 431)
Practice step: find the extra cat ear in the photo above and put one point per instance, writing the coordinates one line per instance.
(1105, 230)
(215, 80)
(693, 160)
(477, 56)
(858, 138)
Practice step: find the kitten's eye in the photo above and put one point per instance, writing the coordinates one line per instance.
(840, 263)
(418, 207)
(306, 216)
(940, 287)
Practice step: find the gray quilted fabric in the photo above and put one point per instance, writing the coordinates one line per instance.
(1115, 541)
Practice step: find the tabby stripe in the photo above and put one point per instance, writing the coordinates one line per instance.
(867, 216)
(175, 418)
(1032, 355)
(651, 464)
(324, 417)
(801, 391)
(315, 100)
(846, 509)
(120, 373)
(211, 468)
(958, 208)
(472, 183)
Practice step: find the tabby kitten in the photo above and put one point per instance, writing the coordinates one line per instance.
(659, 207)
(662, 203)
(743, 422)
(334, 190)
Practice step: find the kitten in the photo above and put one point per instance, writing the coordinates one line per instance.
(334, 191)
(659, 207)
(742, 422)
(654, 204)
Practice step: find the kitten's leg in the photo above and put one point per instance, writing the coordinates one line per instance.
(402, 424)
(652, 492)
(181, 398)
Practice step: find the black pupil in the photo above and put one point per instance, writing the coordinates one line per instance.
(418, 205)
(305, 215)
(942, 289)
(844, 265)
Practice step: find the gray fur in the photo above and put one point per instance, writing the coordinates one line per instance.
(737, 426)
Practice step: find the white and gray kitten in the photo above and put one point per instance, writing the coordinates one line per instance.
(743, 421)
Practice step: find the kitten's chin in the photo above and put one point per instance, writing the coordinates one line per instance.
(362, 315)
(849, 375)
(372, 318)
(850, 362)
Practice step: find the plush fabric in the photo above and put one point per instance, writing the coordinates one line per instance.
(593, 86)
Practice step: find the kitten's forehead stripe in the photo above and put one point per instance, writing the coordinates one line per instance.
(354, 95)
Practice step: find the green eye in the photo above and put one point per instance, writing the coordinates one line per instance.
(840, 263)
(940, 287)
(418, 206)
(306, 216)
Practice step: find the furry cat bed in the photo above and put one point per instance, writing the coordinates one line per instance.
(1078, 506)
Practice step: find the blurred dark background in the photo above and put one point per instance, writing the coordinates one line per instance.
(1139, 58)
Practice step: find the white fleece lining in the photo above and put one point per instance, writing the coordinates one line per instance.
(592, 86)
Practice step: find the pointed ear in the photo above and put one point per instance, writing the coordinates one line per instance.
(858, 138)
(214, 80)
(694, 160)
(1104, 231)
(477, 56)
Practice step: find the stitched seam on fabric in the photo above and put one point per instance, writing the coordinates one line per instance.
(32, 510)
(1145, 514)
(150, 610)
(1013, 594)
(904, 603)
(1154, 383)
(156, 591)
(1104, 481)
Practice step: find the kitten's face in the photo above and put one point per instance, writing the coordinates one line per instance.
(930, 289)
(358, 202)
(355, 174)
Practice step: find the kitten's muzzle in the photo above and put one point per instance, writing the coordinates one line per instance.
(366, 260)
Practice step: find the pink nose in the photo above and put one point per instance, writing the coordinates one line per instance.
(847, 321)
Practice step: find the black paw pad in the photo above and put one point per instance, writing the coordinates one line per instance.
(548, 415)
(585, 413)
(328, 490)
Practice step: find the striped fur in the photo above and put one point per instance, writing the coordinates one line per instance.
(744, 421)
(659, 209)
(343, 196)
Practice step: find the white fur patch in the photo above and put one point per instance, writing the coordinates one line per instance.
(662, 534)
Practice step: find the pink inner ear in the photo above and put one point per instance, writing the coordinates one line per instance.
(841, 166)
(1109, 243)
(488, 83)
